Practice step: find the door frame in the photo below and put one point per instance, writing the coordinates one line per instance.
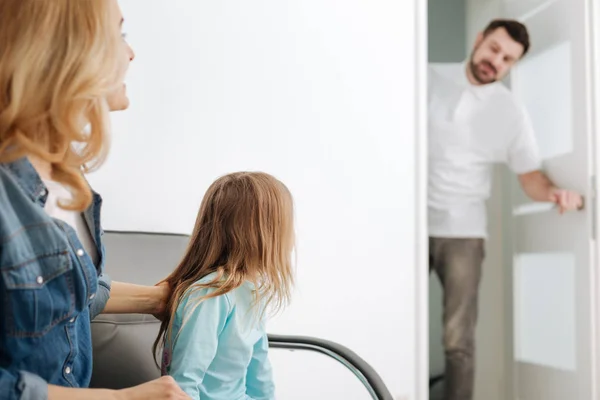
(421, 321)
(594, 201)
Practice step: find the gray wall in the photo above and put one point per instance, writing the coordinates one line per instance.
(447, 30)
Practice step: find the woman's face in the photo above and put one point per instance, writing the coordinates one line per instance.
(118, 100)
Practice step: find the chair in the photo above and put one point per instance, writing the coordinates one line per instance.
(122, 343)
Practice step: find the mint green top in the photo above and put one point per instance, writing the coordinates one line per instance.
(221, 352)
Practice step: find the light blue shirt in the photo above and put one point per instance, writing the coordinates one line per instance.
(221, 348)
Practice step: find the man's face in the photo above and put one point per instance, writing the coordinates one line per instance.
(493, 56)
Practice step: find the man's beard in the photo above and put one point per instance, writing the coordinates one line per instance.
(476, 74)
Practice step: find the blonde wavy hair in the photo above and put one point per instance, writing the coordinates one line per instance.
(244, 233)
(59, 60)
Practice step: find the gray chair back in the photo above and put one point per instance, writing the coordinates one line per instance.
(122, 344)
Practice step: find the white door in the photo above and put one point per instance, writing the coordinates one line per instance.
(554, 257)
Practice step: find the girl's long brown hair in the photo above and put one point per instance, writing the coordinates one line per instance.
(243, 233)
(59, 60)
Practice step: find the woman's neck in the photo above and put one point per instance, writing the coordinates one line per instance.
(42, 167)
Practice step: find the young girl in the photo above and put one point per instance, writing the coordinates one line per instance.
(237, 264)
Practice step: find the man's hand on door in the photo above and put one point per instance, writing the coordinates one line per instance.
(566, 200)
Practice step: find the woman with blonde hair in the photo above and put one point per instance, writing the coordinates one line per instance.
(237, 265)
(62, 65)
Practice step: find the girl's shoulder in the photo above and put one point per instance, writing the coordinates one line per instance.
(207, 279)
(241, 298)
(198, 287)
(199, 292)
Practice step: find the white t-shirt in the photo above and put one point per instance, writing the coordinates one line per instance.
(470, 129)
(75, 219)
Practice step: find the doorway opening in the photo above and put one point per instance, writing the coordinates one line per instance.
(536, 329)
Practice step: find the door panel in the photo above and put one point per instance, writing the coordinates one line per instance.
(553, 255)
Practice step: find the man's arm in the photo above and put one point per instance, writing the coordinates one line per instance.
(539, 187)
(127, 298)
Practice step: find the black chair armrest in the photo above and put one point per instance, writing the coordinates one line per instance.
(359, 367)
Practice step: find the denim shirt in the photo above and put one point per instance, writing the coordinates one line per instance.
(50, 288)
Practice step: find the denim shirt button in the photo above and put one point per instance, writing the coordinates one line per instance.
(39, 280)
(92, 296)
(67, 370)
(72, 320)
(80, 252)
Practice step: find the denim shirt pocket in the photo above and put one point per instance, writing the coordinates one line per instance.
(39, 294)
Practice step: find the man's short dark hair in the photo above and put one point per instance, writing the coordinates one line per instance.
(516, 30)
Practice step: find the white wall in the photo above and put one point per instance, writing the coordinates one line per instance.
(321, 93)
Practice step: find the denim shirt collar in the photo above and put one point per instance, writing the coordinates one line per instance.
(29, 180)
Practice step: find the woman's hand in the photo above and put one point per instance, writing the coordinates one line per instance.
(163, 292)
(164, 388)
